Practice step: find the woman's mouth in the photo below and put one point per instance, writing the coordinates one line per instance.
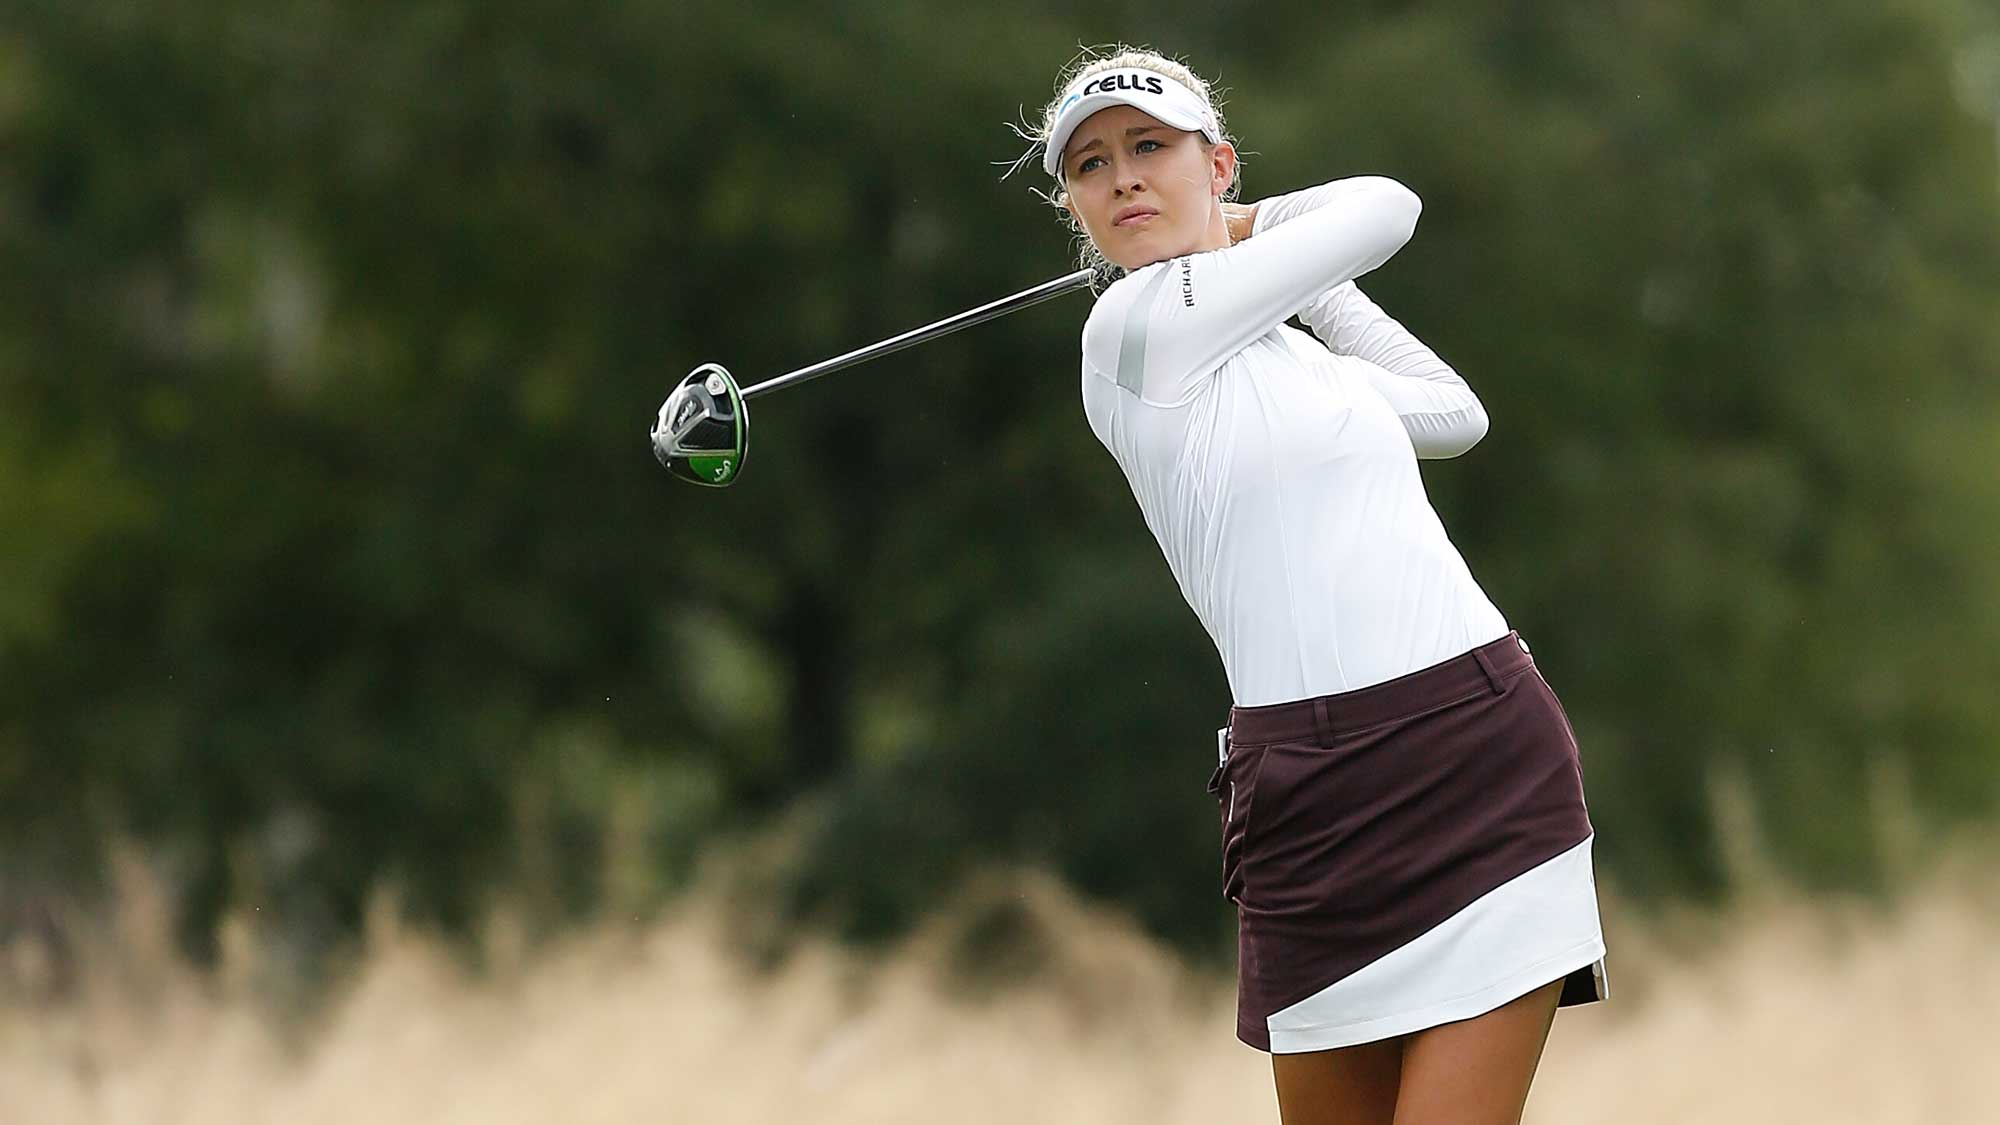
(1134, 216)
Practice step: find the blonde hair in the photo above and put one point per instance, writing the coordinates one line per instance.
(1094, 60)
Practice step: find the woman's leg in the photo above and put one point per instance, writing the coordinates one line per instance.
(1476, 1071)
(1345, 1086)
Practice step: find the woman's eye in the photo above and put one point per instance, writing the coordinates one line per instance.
(1089, 163)
(1148, 141)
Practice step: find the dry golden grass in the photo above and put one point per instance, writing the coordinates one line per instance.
(1787, 1012)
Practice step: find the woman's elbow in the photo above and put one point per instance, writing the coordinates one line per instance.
(1464, 432)
(1401, 206)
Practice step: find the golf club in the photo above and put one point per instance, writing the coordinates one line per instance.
(703, 430)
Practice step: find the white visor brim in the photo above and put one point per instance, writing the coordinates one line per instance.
(1150, 92)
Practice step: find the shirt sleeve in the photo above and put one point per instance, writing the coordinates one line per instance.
(1162, 329)
(1442, 415)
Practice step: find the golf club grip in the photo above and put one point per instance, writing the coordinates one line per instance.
(915, 336)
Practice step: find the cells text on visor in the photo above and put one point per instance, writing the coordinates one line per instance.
(1136, 83)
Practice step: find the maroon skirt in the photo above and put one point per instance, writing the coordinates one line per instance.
(1355, 824)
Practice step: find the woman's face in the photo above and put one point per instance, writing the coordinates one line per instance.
(1143, 191)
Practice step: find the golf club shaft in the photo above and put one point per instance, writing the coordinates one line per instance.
(915, 336)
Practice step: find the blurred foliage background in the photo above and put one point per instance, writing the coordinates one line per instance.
(333, 556)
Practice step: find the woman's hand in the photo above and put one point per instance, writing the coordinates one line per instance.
(1240, 217)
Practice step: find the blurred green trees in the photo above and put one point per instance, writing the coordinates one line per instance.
(332, 554)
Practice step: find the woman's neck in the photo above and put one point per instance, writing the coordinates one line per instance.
(1214, 236)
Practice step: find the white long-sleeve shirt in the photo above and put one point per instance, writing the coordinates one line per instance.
(1279, 473)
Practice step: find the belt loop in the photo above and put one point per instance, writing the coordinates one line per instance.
(1486, 666)
(1323, 721)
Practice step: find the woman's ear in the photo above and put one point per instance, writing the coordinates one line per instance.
(1222, 168)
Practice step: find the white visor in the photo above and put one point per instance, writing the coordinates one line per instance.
(1175, 106)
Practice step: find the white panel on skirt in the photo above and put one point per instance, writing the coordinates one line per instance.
(1537, 927)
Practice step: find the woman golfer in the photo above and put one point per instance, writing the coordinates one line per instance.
(1403, 824)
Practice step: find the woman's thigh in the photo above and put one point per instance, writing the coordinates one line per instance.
(1476, 1071)
(1347, 1086)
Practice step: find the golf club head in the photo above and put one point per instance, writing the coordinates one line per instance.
(704, 428)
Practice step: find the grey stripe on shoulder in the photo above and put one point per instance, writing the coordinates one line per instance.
(1132, 345)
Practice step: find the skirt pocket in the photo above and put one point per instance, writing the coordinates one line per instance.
(1233, 787)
